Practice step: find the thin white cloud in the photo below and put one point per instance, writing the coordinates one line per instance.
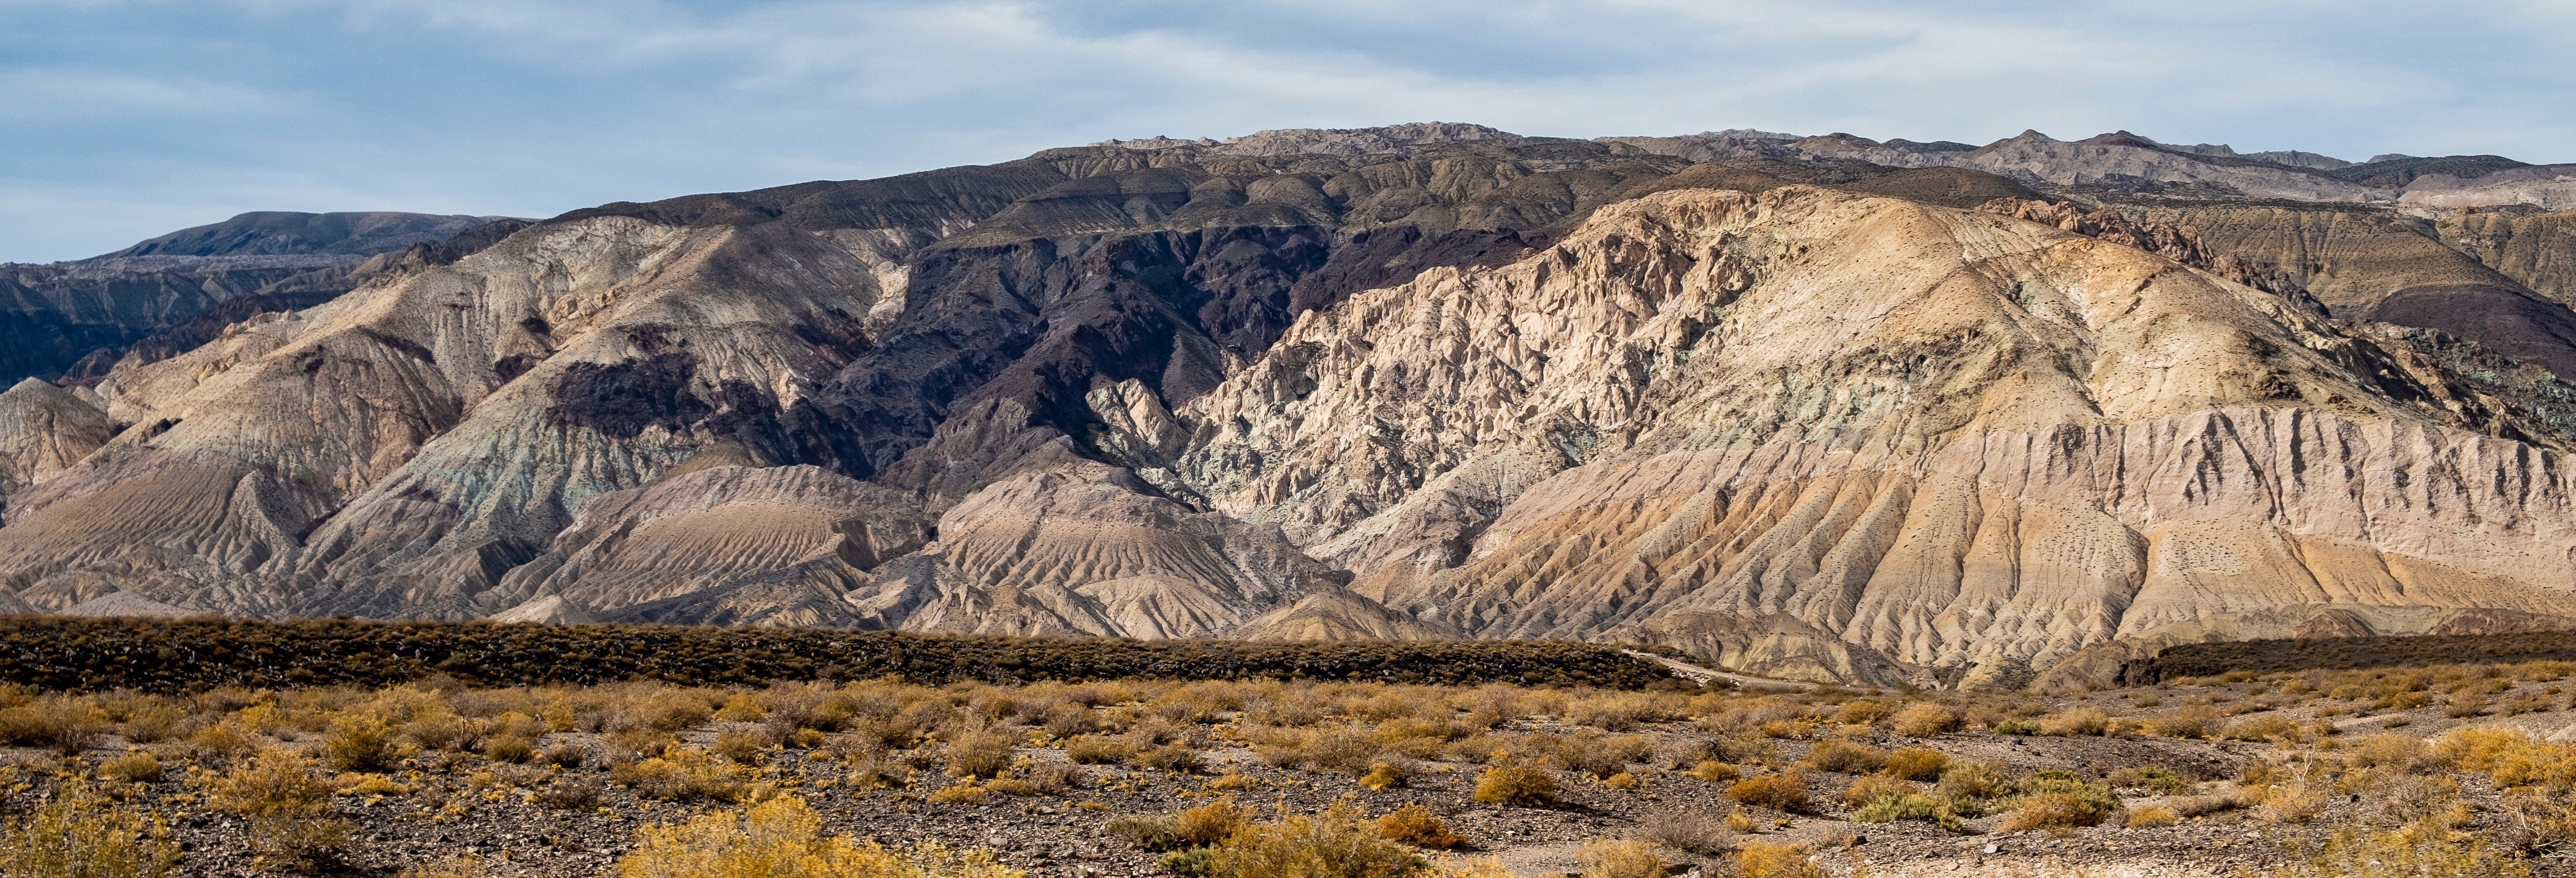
(536, 106)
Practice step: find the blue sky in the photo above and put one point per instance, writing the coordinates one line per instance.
(122, 120)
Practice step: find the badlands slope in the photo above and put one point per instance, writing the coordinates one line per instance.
(1795, 413)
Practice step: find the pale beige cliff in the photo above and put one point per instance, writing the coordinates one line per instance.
(1811, 432)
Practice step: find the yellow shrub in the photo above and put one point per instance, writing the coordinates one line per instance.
(79, 834)
(1868, 788)
(2080, 721)
(1923, 719)
(276, 783)
(1211, 823)
(134, 767)
(360, 742)
(782, 838)
(1716, 772)
(1767, 859)
(2294, 803)
(1518, 785)
(2148, 817)
(1619, 859)
(2051, 811)
(1417, 826)
(960, 793)
(1334, 844)
(1916, 763)
(741, 708)
(1861, 712)
(681, 773)
(1786, 791)
(1844, 756)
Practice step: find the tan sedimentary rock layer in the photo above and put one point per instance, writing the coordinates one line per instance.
(2349, 259)
(422, 416)
(712, 527)
(2539, 251)
(1836, 436)
(44, 430)
(1087, 549)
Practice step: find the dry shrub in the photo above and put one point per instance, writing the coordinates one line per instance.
(1619, 859)
(984, 754)
(2413, 851)
(1786, 791)
(1965, 780)
(133, 767)
(1516, 785)
(680, 774)
(2294, 803)
(1697, 832)
(1149, 834)
(2189, 722)
(2148, 817)
(2263, 727)
(1716, 772)
(782, 838)
(2080, 721)
(744, 748)
(63, 726)
(1211, 823)
(1861, 712)
(1870, 787)
(1385, 776)
(2149, 777)
(1337, 843)
(1175, 756)
(671, 710)
(1600, 755)
(509, 748)
(1890, 806)
(1844, 757)
(963, 792)
(459, 866)
(2465, 705)
(275, 783)
(1916, 763)
(742, 707)
(568, 754)
(1417, 826)
(1097, 750)
(2414, 798)
(361, 742)
(572, 794)
(2052, 811)
(1923, 719)
(1769, 859)
(80, 834)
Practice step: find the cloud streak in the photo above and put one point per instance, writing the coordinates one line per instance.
(133, 118)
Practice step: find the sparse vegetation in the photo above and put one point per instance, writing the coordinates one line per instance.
(190, 655)
(301, 771)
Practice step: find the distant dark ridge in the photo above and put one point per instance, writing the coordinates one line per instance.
(2347, 653)
(188, 655)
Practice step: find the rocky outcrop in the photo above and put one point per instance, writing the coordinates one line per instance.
(174, 292)
(44, 430)
(2549, 187)
(1083, 548)
(708, 528)
(1835, 436)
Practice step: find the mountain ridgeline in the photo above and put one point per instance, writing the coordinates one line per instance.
(1824, 408)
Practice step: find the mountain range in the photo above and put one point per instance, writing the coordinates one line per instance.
(1814, 407)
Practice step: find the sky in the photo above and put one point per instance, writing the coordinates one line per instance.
(124, 120)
